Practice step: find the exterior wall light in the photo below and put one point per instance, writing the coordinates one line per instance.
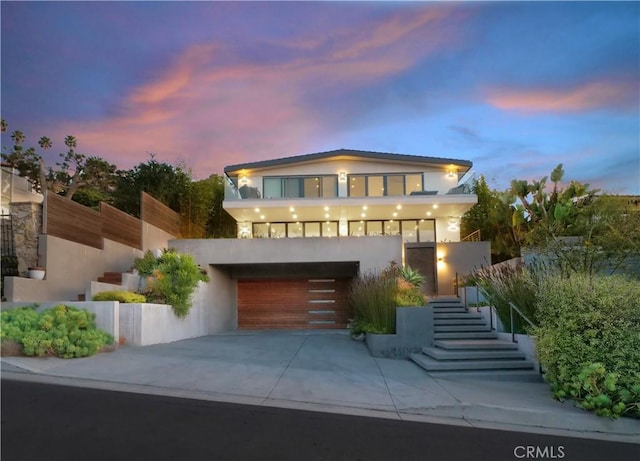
(342, 176)
(244, 180)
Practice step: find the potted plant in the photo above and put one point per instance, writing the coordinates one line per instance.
(36, 272)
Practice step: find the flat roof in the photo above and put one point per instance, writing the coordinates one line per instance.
(349, 153)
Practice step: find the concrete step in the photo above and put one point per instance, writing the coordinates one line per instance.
(444, 299)
(466, 335)
(430, 364)
(475, 344)
(479, 354)
(114, 278)
(460, 328)
(445, 305)
(463, 321)
(528, 376)
(456, 315)
(449, 310)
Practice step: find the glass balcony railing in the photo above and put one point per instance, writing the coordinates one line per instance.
(434, 185)
(231, 192)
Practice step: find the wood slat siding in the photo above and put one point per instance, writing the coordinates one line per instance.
(71, 221)
(121, 227)
(286, 303)
(158, 214)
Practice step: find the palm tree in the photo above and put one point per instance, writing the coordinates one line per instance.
(45, 143)
(18, 137)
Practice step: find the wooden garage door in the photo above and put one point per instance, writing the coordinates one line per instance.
(292, 303)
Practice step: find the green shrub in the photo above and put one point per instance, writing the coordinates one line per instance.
(589, 341)
(120, 295)
(412, 276)
(62, 331)
(16, 322)
(171, 279)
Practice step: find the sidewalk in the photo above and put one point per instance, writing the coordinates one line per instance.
(321, 371)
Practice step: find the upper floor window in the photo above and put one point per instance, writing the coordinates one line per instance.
(300, 186)
(384, 185)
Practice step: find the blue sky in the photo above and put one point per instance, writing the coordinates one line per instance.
(514, 87)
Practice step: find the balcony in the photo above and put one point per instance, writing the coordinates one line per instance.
(434, 185)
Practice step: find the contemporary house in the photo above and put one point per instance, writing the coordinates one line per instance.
(308, 224)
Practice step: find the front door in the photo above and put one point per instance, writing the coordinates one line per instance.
(423, 259)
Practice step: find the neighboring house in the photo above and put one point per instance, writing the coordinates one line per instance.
(308, 224)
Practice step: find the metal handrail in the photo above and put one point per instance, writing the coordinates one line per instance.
(512, 307)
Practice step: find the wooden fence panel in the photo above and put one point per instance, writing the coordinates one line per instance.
(72, 221)
(120, 226)
(158, 214)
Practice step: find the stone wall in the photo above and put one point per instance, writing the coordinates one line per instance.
(27, 225)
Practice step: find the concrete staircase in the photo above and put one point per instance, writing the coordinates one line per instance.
(464, 342)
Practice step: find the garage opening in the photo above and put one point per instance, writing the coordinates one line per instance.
(294, 296)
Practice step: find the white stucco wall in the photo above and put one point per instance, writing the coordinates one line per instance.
(146, 324)
(154, 238)
(70, 266)
(219, 297)
(371, 252)
(461, 258)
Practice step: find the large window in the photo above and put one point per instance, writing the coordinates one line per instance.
(300, 186)
(384, 185)
(411, 230)
(297, 229)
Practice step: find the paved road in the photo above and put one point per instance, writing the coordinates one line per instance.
(47, 422)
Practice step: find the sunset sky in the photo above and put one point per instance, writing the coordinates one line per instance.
(514, 87)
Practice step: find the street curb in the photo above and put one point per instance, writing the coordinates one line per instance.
(470, 415)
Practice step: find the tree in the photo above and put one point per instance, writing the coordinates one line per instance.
(92, 177)
(26, 161)
(493, 217)
(582, 231)
(165, 182)
(202, 208)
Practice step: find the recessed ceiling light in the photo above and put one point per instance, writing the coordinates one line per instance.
(395, 214)
(362, 215)
(257, 210)
(326, 215)
(435, 206)
(399, 207)
(326, 208)
(428, 213)
(292, 209)
(365, 207)
(295, 216)
(261, 216)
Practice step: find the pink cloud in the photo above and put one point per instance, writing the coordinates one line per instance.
(592, 95)
(213, 114)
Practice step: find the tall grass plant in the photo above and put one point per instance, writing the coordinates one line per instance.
(510, 282)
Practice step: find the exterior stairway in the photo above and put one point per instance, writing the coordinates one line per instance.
(114, 278)
(464, 342)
